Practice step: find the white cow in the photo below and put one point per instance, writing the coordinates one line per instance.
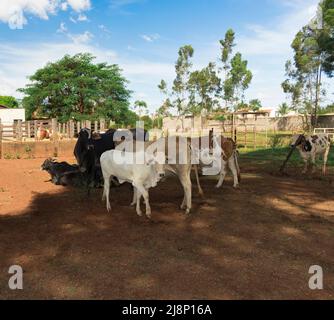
(124, 166)
(310, 147)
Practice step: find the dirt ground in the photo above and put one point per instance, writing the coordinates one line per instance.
(257, 242)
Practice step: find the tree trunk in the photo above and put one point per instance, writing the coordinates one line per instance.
(317, 97)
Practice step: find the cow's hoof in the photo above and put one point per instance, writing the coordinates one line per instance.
(237, 187)
(188, 211)
(218, 186)
(149, 216)
(139, 213)
(132, 204)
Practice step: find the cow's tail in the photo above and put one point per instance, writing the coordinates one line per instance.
(236, 161)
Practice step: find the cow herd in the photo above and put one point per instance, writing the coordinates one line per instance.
(116, 157)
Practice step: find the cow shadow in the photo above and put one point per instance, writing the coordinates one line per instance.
(254, 243)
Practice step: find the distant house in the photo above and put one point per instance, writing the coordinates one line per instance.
(9, 115)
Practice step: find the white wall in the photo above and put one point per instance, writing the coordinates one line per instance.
(8, 116)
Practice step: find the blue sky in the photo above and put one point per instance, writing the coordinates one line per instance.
(143, 37)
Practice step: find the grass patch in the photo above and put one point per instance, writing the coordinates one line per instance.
(274, 157)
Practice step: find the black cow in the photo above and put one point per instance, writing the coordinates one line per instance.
(88, 151)
(90, 147)
(63, 173)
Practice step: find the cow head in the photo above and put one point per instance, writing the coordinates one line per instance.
(297, 140)
(158, 160)
(300, 140)
(84, 150)
(47, 164)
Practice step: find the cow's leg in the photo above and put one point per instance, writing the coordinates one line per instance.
(325, 161)
(232, 166)
(141, 191)
(313, 162)
(134, 199)
(222, 175)
(305, 166)
(106, 192)
(186, 183)
(138, 198)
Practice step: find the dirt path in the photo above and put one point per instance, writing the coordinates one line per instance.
(256, 242)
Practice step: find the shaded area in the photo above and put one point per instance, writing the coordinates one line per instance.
(254, 243)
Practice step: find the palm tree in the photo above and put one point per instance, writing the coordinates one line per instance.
(283, 109)
(141, 106)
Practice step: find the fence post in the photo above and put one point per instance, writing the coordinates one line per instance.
(246, 133)
(28, 129)
(55, 137)
(0, 139)
(254, 137)
(35, 129)
(102, 125)
(88, 124)
(54, 126)
(95, 126)
(19, 130)
(68, 130)
(78, 126)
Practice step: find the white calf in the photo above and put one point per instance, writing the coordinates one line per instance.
(310, 147)
(122, 165)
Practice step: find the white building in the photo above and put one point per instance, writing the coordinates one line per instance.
(7, 115)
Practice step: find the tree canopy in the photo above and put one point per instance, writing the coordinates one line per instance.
(77, 88)
(314, 56)
(204, 90)
(9, 101)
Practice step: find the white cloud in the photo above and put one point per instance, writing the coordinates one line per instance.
(79, 5)
(13, 12)
(276, 39)
(81, 38)
(62, 28)
(64, 6)
(104, 29)
(82, 17)
(151, 37)
(19, 60)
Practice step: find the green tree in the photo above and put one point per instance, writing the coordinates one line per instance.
(326, 110)
(326, 36)
(255, 104)
(75, 87)
(141, 107)
(148, 122)
(237, 77)
(283, 109)
(9, 101)
(314, 55)
(180, 84)
(226, 50)
(237, 81)
(163, 111)
(204, 86)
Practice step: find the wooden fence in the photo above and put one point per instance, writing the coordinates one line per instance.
(19, 130)
(329, 131)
